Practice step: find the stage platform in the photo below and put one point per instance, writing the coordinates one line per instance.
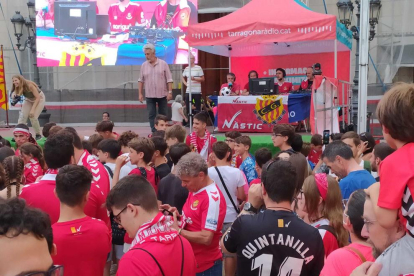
(259, 140)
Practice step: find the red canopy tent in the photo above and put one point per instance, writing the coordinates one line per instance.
(270, 27)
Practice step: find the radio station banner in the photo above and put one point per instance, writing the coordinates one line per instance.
(112, 32)
(261, 113)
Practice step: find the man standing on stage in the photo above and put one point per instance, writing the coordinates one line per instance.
(308, 82)
(156, 76)
(123, 15)
(284, 86)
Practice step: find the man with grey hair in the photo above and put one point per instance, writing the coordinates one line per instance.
(203, 213)
(392, 247)
(156, 76)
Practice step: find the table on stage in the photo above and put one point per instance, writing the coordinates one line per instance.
(260, 113)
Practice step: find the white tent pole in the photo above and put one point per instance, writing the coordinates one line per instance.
(190, 104)
(363, 67)
(336, 58)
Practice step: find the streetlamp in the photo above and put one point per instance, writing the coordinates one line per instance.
(345, 11)
(30, 22)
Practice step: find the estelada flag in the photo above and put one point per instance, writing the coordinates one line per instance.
(3, 91)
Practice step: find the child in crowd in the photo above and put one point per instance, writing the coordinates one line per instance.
(54, 129)
(108, 151)
(201, 141)
(158, 159)
(94, 140)
(34, 162)
(230, 137)
(123, 141)
(125, 138)
(316, 149)
(241, 148)
(262, 156)
(82, 243)
(159, 133)
(161, 122)
(177, 114)
(306, 149)
(396, 189)
(105, 128)
(12, 176)
(46, 128)
(174, 135)
(88, 147)
(141, 151)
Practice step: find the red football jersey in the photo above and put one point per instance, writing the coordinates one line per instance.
(165, 245)
(150, 177)
(120, 21)
(95, 207)
(330, 243)
(235, 88)
(82, 246)
(41, 195)
(397, 184)
(205, 210)
(314, 156)
(32, 171)
(284, 88)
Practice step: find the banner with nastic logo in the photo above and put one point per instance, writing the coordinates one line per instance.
(261, 113)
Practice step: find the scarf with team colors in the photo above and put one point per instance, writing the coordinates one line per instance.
(158, 229)
(204, 151)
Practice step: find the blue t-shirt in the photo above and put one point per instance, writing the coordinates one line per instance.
(354, 181)
(248, 168)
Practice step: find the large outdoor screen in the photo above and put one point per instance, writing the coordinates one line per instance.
(112, 32)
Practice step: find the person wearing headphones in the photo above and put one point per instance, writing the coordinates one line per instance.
(252, 75)
(234, 87)
(284, 86)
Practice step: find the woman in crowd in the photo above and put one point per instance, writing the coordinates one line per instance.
(13, 177)
(177, 113)
(34, 101)
(343, 261)
(34, 162)
(321, 199)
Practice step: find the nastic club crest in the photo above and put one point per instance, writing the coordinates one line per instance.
(269, 109)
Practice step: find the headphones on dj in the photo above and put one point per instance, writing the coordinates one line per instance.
(233, 75)
(282, 70)
(253, 71)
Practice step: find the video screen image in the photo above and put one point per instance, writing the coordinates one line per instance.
(112, 32)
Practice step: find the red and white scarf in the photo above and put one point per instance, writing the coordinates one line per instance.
(204, 152)
(156, 230)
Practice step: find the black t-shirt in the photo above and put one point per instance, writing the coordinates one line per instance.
(171, 192)
(169, 161)
(275, 243)
(163, 170)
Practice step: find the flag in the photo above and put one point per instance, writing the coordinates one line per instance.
(3, 91)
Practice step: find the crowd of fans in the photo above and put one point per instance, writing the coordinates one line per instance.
(178, 204)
